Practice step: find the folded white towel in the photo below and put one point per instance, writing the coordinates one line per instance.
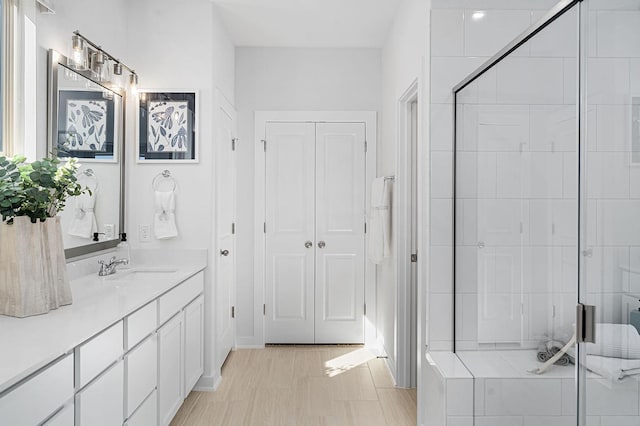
(84, 220)
(379, 222)
(612, 368)
(164, 221)
(615, 341)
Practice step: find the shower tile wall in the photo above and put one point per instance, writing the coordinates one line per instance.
(461, 40)
(612, 274)
(520, 122)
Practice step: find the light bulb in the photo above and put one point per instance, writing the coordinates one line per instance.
(133, 83)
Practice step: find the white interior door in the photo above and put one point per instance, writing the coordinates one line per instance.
(289, 228)
(225, 229)
(340, 222)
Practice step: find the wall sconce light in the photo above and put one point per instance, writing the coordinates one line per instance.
(99, 62)
(133, 82)
(78, 59)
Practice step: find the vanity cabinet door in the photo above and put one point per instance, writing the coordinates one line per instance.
(142, 372)
(101, 403)
(194, 343)
(147, 414)
(170, 368)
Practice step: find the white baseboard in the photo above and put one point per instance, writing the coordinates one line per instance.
(249, 346)
(208, 383)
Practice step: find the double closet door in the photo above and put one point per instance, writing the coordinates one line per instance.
(315, 232)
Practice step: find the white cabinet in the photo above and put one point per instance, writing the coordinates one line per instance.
(171, 368)
(147, 414)
(177, 298)
(101, 403)
(193, 343)
(40, 396)
(141, 372)
(141, 323)
(98, 353)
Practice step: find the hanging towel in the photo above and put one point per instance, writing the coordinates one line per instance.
(612, 368)
(84, 220)
(164, 221)
(379, 222)
(615, 341)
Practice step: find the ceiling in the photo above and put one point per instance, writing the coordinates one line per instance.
(308, 23)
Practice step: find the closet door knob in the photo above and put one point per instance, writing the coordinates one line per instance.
(308, 244)
(322, 244)
(224, 252)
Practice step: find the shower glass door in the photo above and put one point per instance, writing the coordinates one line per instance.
(609, 255)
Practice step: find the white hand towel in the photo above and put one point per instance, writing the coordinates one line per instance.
(612, 368)
(615, 341)
(84, 221)
(379, 222)
(164, 221)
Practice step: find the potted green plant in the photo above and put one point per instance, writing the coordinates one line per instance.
(33, 278)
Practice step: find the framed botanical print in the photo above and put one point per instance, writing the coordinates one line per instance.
(86, 125)
(167, 123)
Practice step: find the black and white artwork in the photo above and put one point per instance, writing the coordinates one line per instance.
(86, 125)
(166, 127)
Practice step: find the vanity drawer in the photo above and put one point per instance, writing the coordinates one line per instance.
(97, 354)
(64, 417)
(141, 372)
(147, 414)
(40, 396)
(102, 402)
(141, 323)
(179, 297)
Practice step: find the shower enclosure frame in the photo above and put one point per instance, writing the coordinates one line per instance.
(552, 15)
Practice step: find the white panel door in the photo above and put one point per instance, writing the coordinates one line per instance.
(225, 220)
(289, 265)
(340, 221)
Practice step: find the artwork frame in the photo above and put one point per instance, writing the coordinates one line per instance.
(167, 126)
(87, 126)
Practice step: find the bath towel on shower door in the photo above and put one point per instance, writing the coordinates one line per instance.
(164, 221)
(379, 222)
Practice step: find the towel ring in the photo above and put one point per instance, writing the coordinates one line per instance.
(164, 176)
(90, 176)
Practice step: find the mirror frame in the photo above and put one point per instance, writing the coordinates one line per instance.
(55, 61)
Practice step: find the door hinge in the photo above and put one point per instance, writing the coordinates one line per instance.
(233, 228)
(264, 227)
(414, 258)
(264, 309)
(365, 146)
(264, 143)
(365, 309)
(233, 312)
(233, 144)
(365, 227)
(585, 323)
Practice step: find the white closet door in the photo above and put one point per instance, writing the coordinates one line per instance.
(340, 221)
(289, 268)
(226, 241)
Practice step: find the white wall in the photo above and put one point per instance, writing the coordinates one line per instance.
(403, 62)
(195, 55)
(288, 79)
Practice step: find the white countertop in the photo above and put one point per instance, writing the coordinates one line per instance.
(29, 344)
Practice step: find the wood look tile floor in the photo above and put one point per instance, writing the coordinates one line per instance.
(301, 385)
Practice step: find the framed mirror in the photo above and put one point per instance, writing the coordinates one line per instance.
(86, 122)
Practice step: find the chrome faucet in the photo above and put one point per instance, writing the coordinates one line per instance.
(110, 268)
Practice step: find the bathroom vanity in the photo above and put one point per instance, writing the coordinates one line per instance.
(127, 351)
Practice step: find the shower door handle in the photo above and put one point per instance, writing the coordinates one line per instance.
(585, 323)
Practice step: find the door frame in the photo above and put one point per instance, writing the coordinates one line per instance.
(369, 118)
(403, 226)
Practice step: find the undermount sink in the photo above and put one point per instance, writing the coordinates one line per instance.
(140, 273)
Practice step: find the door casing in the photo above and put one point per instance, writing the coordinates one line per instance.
(261, 118)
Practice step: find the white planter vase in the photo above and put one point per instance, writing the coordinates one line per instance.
(33, 271)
